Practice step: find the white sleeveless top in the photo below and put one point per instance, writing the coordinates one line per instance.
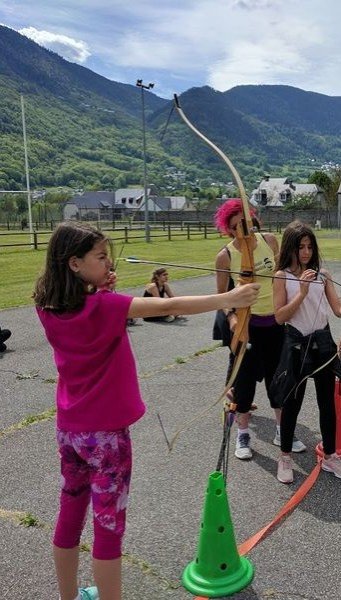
(312, 314)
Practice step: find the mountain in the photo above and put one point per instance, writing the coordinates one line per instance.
(36, 69)
(84, 130)
(289, 107)
(273, 128)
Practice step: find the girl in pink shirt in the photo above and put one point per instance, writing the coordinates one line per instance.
(98, 395)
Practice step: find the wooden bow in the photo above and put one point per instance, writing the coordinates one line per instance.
(245, 234)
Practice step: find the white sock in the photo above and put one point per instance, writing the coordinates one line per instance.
(278, 428)
(241, 431)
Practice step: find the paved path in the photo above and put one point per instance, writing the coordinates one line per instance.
(299, 560)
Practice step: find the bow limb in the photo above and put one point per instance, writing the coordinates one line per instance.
(244, 234)
(244, 231)
(220, 153)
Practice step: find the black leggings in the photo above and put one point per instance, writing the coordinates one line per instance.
(324, 382)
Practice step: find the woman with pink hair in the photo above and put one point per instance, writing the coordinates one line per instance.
(265, 335)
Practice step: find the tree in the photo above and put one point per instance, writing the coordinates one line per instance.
(301, 201)
(21, 205)
(329, 181)
(8, 206)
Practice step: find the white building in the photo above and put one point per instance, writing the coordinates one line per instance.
(277, 191)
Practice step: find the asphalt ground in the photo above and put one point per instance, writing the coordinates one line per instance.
(298, 560)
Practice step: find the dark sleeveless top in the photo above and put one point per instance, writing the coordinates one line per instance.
(149, 295)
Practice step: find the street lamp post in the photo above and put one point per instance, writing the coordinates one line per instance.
(30, 224)
(143, 87)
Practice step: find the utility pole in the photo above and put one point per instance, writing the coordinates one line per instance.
(26, 169)
(143, 87)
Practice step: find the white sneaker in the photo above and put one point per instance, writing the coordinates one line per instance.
(297, 445)
(243, 450)
(284, 469)
(169, 319)
(277, 438)
(332, 465)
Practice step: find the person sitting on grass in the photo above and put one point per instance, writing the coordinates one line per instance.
(159, 288)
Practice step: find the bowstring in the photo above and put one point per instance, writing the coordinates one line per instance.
(167, 123)
(133, 260)
(228, 419)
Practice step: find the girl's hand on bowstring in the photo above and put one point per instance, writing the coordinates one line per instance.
(112, 280)
(110, 283)
(306, 277)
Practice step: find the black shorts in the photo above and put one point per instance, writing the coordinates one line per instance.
(260, 362)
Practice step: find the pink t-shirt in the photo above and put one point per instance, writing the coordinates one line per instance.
(97, 387)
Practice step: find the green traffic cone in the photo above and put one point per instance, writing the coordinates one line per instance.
(218, 570)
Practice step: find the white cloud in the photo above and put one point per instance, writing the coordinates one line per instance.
(135, 50)
(275, 52)
(221, 43)
(254, 4)
(249, 63)
(69, 48)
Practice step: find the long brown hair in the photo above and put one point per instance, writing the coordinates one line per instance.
(58, 288)
(157, 273)
(292, 236)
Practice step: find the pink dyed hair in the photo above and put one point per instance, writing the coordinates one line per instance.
(225, 212)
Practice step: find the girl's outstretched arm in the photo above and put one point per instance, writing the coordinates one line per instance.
(240, 297)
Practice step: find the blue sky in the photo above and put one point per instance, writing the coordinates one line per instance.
(178, 44)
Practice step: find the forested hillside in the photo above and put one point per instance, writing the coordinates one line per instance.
(278, 129)
(85, 131)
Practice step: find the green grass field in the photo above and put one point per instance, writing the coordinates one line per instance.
(20, 266)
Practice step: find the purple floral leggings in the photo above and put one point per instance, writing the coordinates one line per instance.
(95, 466)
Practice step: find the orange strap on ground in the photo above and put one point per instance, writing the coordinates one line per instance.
(302, 491)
